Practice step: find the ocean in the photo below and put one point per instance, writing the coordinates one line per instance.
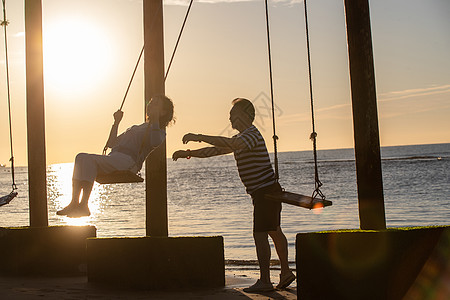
(207, 198)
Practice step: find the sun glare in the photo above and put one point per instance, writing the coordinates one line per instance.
(77, 54)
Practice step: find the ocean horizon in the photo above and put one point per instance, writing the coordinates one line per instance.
(169, 155)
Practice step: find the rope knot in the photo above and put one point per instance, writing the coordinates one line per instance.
(313, 136)
(275, 137)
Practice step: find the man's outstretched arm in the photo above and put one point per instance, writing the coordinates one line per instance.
(201, 153)
(217, 141)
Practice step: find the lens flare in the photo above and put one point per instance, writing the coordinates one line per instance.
(317, 208)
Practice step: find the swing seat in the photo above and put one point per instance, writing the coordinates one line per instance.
(6, 199)
(298, 200)
(120, 176)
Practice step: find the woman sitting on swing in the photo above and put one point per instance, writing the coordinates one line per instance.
(128, 152)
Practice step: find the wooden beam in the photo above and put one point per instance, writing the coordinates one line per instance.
(37, 178)
(156, 164)
(365, 117)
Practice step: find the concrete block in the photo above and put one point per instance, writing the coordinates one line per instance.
(357, 264)
(157, 262)
(54, 250)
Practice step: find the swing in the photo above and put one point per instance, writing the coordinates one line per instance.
(126, 176)
(6, 199)
(317, 200)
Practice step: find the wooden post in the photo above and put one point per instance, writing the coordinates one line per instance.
(365, 118)
(37, 180)
(156, 164)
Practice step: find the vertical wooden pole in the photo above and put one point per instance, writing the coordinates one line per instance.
(37, 180)
(156, 164)
(365, 117)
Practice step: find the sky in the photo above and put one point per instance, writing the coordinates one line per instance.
(91, 47)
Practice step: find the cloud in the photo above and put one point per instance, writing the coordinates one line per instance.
(400, 95)
(437, 97)
(415, 101)
(333, 107)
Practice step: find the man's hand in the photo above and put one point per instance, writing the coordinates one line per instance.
(118, 115)
(180, 154)
(191, 137)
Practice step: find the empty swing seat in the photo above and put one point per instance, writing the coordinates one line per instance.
(120, 176)
(6, 199)
(298, 200)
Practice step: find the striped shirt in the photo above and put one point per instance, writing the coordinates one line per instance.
(253, 162)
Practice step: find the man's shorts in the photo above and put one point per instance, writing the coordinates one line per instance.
(266, 213)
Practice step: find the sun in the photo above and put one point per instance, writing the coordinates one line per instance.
(77, 54)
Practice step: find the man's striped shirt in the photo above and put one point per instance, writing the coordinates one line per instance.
(253, 162)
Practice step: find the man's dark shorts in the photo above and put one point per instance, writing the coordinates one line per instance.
(266, 213)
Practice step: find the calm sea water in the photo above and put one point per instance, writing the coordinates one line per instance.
(206, 197)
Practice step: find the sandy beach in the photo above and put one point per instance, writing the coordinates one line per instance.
(29, 288)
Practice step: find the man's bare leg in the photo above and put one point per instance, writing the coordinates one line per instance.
(281, 246)
(263, 253)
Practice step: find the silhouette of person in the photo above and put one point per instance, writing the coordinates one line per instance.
(128, 152)
(257, 175)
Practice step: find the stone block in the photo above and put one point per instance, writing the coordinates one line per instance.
(54, 250)
(157, 262)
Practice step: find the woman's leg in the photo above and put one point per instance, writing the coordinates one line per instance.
(75, 207)
(76, 192)
(87, 189)
(83, 208)
(84, 167)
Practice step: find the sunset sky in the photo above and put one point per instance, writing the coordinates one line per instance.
(91, 47)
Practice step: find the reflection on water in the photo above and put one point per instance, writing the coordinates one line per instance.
(59, 194)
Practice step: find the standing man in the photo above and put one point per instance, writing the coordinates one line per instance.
(256, 173)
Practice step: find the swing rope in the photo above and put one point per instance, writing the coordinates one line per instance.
(5, 23)
(313, 136)
(105, 149)
(275, 137)
(171, 59)
(178, 39)
(132, 77)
